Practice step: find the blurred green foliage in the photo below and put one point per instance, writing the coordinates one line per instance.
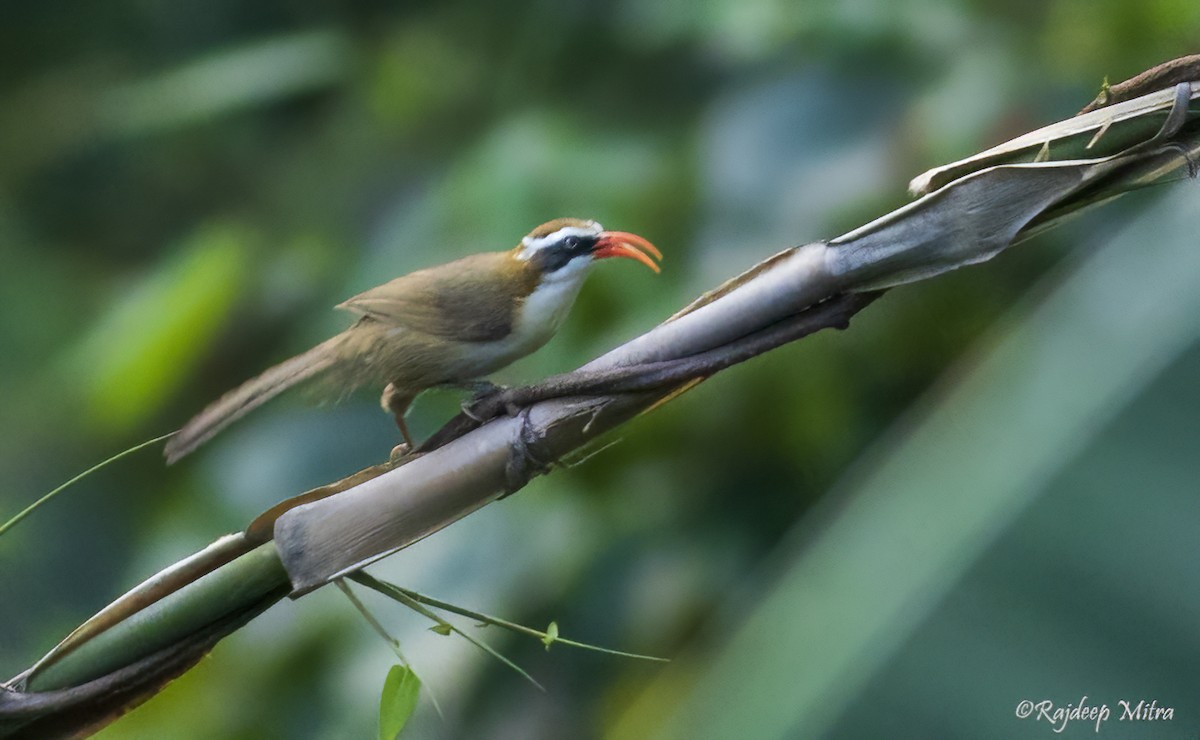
(184, 191)
(131, 361)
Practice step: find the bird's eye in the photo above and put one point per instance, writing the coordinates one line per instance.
(571, 242)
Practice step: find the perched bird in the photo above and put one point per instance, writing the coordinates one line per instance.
(445, 325)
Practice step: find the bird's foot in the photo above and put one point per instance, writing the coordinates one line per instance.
(399, 452)
(483, 392)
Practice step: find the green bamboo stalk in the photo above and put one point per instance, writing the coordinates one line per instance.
(233, 587)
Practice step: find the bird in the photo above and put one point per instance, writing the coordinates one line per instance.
(448, 325)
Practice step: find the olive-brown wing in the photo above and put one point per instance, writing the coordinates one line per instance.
(474, 299)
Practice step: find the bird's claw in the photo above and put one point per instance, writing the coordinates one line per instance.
(468, 408)
(482, 392)
(399, 452)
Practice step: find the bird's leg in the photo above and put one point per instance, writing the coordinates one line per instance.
(397, 402)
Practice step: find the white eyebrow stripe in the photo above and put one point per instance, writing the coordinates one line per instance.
(530, 246)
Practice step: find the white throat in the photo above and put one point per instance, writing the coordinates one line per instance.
(537, 319)
(548, 305)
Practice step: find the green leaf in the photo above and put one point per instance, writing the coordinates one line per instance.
(551, 635)
(400, 690)
(442, 628)
(135, 357)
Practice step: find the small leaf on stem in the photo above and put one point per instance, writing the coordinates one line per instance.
(551, 635)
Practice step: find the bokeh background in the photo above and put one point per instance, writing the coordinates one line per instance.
(983, 492)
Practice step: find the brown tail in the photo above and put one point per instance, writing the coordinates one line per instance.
(249, 395)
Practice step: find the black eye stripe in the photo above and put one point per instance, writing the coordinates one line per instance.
(555, 256)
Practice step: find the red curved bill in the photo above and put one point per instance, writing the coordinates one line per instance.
(625, 244)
